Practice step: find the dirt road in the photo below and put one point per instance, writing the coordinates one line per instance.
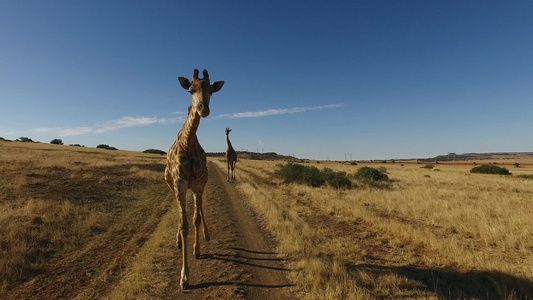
(239, 261)
(136, 257)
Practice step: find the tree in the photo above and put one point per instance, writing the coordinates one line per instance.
(154, 151)
(57, 142)
(25, 139)
(104, 146)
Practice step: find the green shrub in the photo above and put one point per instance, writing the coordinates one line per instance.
(312, 176)
(337, 180)
(523, 176)
(429, 167)
(368, 174)
(154, 151)
(56, 142)
(486, 169)
(295, 173)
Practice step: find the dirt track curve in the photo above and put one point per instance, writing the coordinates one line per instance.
(239, 262)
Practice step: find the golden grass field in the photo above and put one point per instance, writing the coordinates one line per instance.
(435, 234)
(56, 200)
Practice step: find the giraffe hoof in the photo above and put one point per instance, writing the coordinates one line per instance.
(197, 256)
(184, 285)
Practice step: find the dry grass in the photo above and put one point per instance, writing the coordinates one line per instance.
(53, 199)
(441, 233)
(146, 276)
(436, 234)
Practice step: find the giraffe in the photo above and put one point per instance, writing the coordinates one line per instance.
(187, 167)
(231, 157)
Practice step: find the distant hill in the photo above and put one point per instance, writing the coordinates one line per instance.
(478, 156)
(255, 155)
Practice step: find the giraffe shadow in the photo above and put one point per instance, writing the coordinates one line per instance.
(449, 283)
(238, 284)
(249, 258)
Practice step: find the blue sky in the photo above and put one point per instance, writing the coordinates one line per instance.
(317, 79)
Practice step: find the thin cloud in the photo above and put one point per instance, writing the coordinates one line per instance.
(128, 122)
(74, 131)
(277, 111)
(124, 122)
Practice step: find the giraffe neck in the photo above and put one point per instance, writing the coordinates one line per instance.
(229, 143)
(187, 137)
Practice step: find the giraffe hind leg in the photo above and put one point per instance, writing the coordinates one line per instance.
(199, 220)
(204, 227)
(178, 236)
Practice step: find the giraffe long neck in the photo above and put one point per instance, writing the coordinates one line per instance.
(187, 136)
(229, 143)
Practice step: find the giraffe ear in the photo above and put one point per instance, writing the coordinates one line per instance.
(185, 83)
(217, 85)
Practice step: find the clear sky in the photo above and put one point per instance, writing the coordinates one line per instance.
(317, 79)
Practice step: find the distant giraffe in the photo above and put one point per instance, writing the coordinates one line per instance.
(231, 157)
(187, 166)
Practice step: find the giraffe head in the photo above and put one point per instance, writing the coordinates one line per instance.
(228, 131)
(201, 91)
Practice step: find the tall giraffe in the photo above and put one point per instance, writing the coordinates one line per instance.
(187, 166)
(231, 157)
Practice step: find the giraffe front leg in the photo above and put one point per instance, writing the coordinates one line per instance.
(228, 170)
(184, 281)
(183, 230)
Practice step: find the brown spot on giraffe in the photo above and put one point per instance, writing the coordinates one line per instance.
(231, 157)
(187, 165)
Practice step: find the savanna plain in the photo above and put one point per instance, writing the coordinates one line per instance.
(84, 223)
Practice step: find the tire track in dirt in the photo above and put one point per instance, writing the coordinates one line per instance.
(88, 272)
(240, 261)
